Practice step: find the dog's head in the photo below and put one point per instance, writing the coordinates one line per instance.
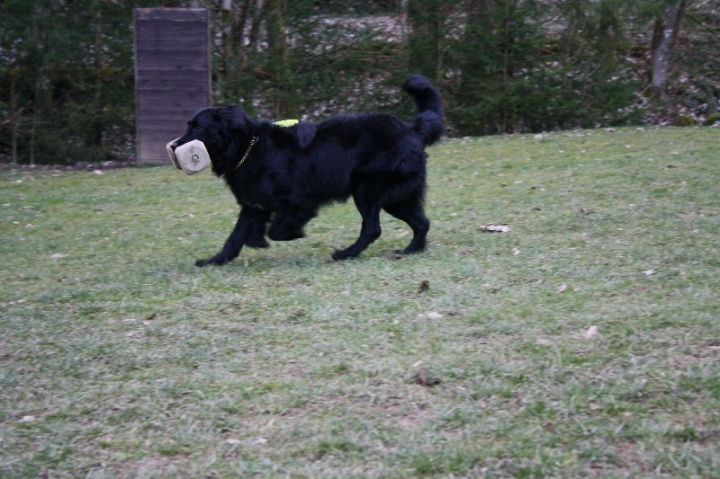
(220, 129)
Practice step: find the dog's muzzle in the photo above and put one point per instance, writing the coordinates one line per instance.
(191, 158)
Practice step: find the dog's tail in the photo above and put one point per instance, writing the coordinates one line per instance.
(429, 121)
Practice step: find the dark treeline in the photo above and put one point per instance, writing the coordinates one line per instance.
(504, 66)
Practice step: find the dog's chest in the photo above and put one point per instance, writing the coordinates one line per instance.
(258, 194)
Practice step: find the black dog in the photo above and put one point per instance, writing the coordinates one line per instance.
(282, 175)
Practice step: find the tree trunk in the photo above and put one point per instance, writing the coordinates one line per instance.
(15, 118)
(14, 141)
(664, 35)
(255, 27)
(238, 33)
(33, 136)
(95, 135)
(39, 68)
(285, 104)
(426, 19)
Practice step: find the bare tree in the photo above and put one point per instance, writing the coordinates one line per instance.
(667, 25)
(426, 19)
(285, 97)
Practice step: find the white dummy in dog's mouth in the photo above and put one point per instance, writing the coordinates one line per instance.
(190, 158)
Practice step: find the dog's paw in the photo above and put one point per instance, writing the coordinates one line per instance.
(398, 254)
(411, 250)
(210, 261)
(341, 255)
(258, 242)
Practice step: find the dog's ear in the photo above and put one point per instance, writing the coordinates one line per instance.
(305, 132)
(232, 118)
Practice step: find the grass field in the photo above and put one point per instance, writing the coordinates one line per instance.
(586, 342)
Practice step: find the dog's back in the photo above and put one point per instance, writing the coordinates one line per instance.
(385, 129)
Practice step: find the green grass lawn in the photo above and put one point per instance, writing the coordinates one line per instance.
(586, 342)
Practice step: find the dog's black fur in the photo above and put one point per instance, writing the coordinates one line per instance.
(289, 172)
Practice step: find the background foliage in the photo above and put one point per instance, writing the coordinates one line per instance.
(66, 66)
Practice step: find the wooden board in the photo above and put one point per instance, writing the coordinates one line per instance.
(172, 76)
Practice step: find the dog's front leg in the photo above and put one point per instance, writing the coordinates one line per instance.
(249, 220)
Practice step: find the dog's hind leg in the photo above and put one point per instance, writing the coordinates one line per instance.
(411, 212)
(247, 222)
(369, 208)
(288, 222)
(256, 237)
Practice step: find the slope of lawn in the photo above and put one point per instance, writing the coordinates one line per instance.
(585, 342)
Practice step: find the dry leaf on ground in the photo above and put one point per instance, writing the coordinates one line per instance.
(496, 227)
(423, 376)
(591, 332)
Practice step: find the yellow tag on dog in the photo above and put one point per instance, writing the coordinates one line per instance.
(286, 123)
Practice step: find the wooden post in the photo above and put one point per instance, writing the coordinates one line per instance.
(172, 76)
